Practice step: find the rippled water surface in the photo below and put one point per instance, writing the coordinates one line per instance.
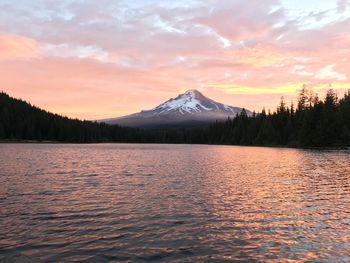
(182, 203)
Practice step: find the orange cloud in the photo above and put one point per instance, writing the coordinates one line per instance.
(259, 57)
(18, 47)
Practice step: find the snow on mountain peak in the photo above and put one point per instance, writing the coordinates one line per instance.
(191, 92)
(190, 101)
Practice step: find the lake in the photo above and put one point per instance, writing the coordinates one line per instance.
(173, 203)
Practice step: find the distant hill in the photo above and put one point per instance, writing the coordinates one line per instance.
(20, 120)
(190, 109)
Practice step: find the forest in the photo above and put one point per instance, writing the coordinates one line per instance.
(313, 122)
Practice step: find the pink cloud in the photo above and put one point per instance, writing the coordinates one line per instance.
(17, 47)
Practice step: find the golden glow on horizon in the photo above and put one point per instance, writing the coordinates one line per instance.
(291, 88)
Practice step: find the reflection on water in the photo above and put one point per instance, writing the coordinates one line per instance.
(174, 203)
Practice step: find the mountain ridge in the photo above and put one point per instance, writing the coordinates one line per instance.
(190, 107)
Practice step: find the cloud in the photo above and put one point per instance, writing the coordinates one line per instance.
(17, 47)
(328, 73)
(259, 56)
(124, 56)
(343, 5)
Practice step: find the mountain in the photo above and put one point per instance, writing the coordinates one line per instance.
(188, 109)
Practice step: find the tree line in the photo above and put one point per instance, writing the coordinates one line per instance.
(311, 123)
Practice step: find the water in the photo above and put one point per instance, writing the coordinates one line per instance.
(179, 203)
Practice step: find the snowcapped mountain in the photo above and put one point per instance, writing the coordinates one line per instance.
(191, 107)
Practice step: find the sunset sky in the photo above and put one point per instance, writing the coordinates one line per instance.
(100, 59)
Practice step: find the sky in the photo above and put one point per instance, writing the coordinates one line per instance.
(98, 59)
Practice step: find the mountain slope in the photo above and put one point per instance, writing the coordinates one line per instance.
(190, 108)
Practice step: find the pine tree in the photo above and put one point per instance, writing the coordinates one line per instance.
(303, 98)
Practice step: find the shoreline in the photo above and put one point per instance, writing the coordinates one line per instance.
(334, 148)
